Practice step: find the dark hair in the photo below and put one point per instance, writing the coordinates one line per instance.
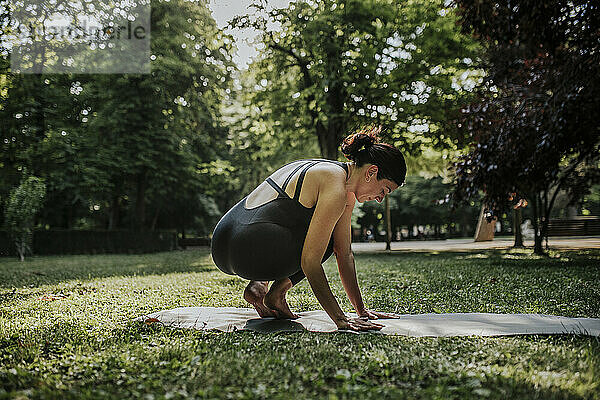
(364, 147)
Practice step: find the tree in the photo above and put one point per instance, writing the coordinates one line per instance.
(334, 65)
(126, 150)
(591, 203)
(24, 142)
(534, 125)
(21, 207)
(164, 126)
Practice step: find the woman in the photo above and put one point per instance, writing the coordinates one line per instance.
(297, 218)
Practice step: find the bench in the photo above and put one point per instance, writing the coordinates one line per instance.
(580, 226)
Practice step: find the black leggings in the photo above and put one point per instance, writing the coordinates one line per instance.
(258, 250)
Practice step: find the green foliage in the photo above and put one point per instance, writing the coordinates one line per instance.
(168, 127)
(357, 213)
(591, 202)
(336, 65)
(423, 201)
(126, 150)
(533, 125)
(84, 345)
(22, 205)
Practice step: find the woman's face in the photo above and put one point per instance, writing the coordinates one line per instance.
(373, 189)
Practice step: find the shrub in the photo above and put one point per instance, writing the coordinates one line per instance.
(21, 207)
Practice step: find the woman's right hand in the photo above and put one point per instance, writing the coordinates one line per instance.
(357, 324)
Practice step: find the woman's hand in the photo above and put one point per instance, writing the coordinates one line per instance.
(368, 314)
(357, 324)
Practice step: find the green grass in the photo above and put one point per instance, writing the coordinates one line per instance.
(84, 345)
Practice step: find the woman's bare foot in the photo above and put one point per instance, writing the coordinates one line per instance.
(275, 299)
(254, 294)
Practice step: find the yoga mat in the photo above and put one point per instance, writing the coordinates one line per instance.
(229, 319)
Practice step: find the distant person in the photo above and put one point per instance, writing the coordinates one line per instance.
(370, 236)
(527, 230)
(298, 217)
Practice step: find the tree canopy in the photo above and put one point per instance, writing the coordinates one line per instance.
(126, 150)
(331, 66)
(534, 126)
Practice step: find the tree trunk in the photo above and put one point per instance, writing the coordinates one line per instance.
(388, 223)
(336, 123)
(333, 143)
(21, 249)
(155, 219)
(544, 231)
(40, 117)
(140, 206)
(537, 247)
(322, 138)
(329, 138)
(182, 237)
(517, 220)
(113, 218)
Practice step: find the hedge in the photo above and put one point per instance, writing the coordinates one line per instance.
(69, 241)
(202, 241)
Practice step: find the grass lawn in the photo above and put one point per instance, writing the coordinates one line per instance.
(66, 330)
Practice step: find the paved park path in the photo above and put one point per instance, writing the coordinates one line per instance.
(580, 242)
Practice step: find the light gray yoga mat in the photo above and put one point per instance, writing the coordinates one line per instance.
(228, 319)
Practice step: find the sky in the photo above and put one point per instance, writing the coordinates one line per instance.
(224, 10)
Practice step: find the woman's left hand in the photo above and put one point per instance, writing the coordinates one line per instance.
(368, 314)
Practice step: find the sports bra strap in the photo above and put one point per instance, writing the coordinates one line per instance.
(311, 162)
(290, 176)
(301, 179)
(276, 187)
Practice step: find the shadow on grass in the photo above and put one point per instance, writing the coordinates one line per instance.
(47, 270)
(8, 297)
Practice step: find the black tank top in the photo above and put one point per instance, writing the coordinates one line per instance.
(265, 242)
(285, 210)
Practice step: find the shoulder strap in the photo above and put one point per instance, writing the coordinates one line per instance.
(301, 179)
(311, 162)
(281, 190)
(290, 176)
(276, 187)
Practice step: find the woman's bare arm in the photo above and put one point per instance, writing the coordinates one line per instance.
(342, 246)
(331, 203)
